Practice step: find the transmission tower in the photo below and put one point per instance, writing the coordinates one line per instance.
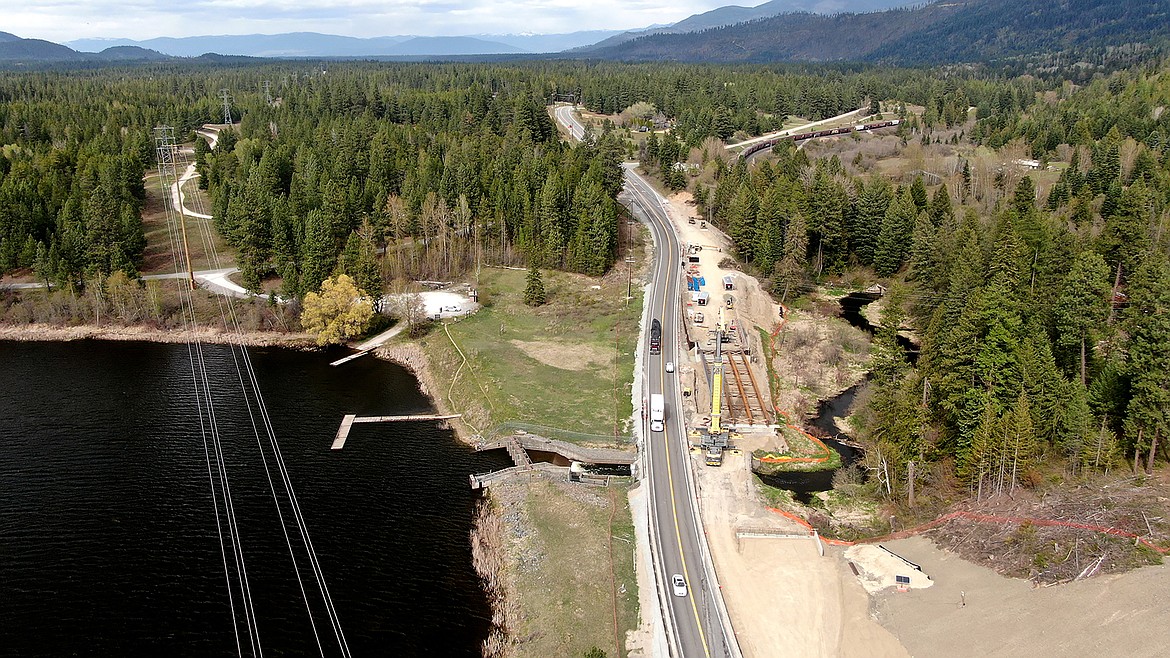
(167, 155)
(268, 92)
(227, 106)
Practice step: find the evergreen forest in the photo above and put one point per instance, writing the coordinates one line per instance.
(1042, 309)
(1043, 316)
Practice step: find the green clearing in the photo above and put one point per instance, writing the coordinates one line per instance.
(158, 256)
(568, 364)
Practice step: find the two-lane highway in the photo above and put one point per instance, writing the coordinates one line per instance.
(567, 118)
(697, 622)
(695, 619)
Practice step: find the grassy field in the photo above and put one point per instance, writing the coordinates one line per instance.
(158, 257)
(562, 567)
(568, 364)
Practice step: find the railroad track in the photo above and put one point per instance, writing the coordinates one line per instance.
(746, 391)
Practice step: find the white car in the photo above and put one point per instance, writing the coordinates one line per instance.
(656, 426)
(670, 366)
(679, 585)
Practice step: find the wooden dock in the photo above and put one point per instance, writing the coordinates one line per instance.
(351, 357)
(349, 419)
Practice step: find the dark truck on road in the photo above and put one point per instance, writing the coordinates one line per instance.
(656, 337)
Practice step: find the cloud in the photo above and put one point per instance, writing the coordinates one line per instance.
(65, 20)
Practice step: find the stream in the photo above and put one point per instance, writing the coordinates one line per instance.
(824, 425)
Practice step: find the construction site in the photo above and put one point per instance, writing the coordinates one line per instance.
(725, 382)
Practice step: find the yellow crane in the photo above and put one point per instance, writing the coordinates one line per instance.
(717, 377)
(715, 438)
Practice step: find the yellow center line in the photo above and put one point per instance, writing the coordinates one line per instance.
(670, 471)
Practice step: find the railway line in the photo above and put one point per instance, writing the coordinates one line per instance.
(743, 398)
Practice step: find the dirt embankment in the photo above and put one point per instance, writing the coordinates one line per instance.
(46, 332)
(489, 558)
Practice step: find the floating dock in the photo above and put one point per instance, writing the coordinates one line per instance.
(349, 419)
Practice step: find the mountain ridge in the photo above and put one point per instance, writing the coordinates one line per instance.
(946, 31)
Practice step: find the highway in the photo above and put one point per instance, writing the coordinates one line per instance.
(696, 623)
(694, 620)
(567, 118)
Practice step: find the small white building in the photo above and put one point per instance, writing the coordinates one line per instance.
(879, 568)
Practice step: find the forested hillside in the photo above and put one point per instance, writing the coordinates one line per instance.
(71, 185)
(938, 33)
(1044, 318)
(442, 163)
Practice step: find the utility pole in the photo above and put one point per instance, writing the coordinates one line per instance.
(227, 106)
(629, 280)
(166, 152)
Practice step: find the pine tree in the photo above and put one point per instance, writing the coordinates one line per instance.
(872, 203)
(887, 360)
(1021, 440)
(896, 236)
(1080, 311)
(790, 273)
(534, 288)
(1146, 416)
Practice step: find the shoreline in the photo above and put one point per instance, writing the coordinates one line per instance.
(55, 333)
(412, 357)
(489, 550)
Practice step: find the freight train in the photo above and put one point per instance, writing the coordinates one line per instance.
(829, 132)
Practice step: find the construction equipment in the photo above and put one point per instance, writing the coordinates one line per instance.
(715, 437)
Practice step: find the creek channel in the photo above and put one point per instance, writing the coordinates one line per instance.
(824, 425)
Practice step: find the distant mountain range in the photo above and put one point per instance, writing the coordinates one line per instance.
(733, 14)
(943, 32)
(312, 44)
(17, 50)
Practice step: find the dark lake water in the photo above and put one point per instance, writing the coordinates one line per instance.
(108, 541)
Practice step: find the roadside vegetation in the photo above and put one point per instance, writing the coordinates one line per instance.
(570, 573)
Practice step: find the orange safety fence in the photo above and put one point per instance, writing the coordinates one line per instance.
(979, 518)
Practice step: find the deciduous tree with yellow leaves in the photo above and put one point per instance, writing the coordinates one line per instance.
(339, 311)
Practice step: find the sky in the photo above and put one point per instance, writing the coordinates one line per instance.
(65, 20)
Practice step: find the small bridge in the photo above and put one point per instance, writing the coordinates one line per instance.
(518, 446)
(567, 450)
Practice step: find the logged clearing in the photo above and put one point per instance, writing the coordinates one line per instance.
(1047, 554)
(972, 611)
(558, 540)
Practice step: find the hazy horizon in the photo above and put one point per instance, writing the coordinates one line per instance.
(63, 21)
